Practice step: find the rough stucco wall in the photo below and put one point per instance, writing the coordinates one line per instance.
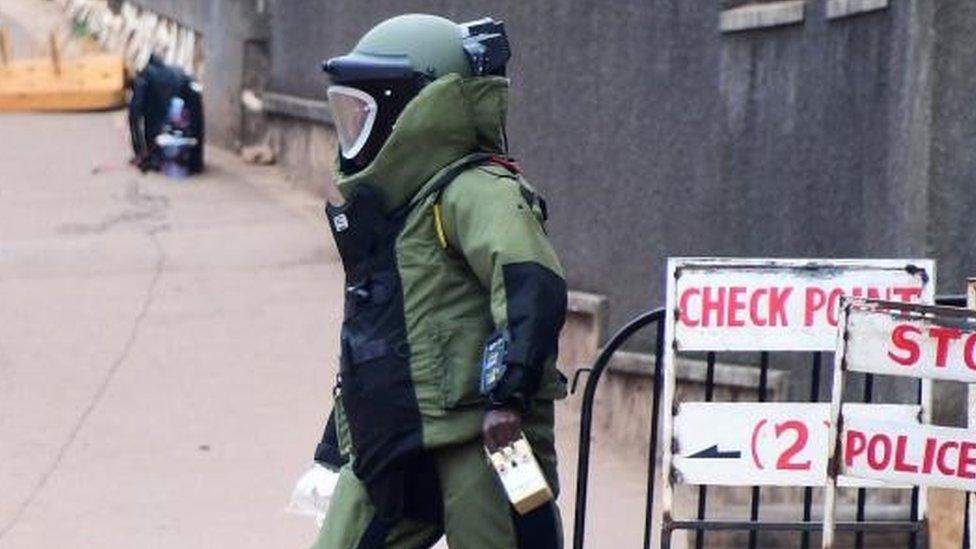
(952, 223)
(612, 116)
(952, 195)
(653, 134)
(834, 137)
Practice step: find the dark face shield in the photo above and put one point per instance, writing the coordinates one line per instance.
(366, 97)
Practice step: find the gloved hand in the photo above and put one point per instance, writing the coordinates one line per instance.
(501, 427)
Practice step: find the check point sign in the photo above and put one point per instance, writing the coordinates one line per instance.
(731, 304)
(781, 305)
(793, 305)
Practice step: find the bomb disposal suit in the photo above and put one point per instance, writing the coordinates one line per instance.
(444, 249)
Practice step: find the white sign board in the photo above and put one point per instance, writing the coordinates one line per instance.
(781, 304)
(910, 340)
(755, 444)
(916, 454)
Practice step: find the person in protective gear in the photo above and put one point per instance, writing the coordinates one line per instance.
(444, 246)
(153, 91)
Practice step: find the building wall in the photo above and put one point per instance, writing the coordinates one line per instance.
(597, 97)
(653, 133)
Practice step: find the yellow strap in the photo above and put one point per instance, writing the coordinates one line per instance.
(439, 225)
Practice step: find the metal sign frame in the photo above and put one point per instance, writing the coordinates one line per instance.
(822, 269)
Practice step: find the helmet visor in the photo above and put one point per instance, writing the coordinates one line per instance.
(353, 113)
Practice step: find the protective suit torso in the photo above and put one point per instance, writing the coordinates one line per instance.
(443, 244)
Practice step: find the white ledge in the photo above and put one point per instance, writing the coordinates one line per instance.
(587, 303)
(846, 8)
(761, 16)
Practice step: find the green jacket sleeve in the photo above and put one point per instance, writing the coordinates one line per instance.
(495, 221)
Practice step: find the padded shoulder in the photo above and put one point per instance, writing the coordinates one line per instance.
(488, 185)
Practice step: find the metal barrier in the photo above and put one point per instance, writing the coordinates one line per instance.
(911, 527)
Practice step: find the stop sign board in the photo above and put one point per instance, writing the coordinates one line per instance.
(910, 340)
(920, 341)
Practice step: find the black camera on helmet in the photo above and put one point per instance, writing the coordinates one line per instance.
(486, 45)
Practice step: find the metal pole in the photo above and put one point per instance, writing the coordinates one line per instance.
(756, 495)
(652, 451)
(971, 413)
(703, 489)
(586, 416)
(808, 491)
(833, 438)
(664, 516)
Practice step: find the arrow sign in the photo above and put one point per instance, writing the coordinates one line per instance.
(712, 452)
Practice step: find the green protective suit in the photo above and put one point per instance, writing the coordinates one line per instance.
(471, 255)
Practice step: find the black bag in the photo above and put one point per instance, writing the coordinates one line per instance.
(152, 91)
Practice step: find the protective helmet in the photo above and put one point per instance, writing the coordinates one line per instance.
(391, 64)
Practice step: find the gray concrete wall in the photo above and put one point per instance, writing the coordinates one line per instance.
(952, 190)
(597, 96)
(654, 134)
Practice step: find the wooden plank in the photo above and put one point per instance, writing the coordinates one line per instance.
(55, 53)
(4, 45)
(89, 83)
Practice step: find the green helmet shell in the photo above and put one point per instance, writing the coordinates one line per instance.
(433, 44)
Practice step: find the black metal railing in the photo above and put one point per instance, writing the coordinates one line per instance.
(911, 526)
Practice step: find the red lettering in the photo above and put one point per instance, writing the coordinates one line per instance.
(899, 338)
(784, 463)
(754, 307)
(876, 462)
(907, 294)
(832, 303)
(736, 304)
(855, 446)
(940, 460)
(944, 336)
(777, 306)
(929, 455)
(968, 352)
(815, 299)
(684, 308)
(900, 463)
(874, 293)
(967, 460)
(710, 305)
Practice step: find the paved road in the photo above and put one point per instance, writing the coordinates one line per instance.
(166, 350)
(165, 347)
